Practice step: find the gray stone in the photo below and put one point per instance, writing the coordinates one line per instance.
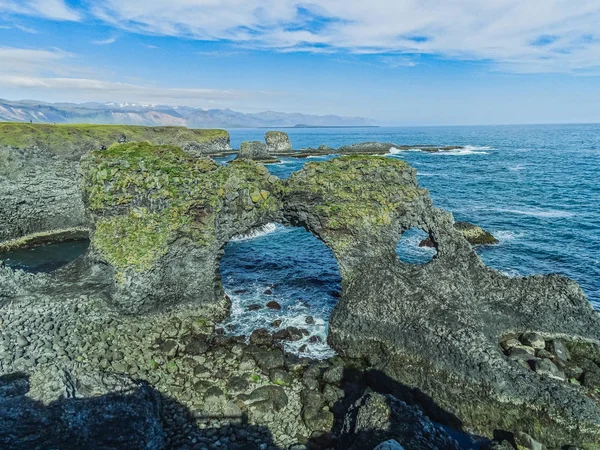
(533, 340)
(256, 151)
(558, 348)
(389, 445)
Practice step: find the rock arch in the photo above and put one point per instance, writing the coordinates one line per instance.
(435, 331)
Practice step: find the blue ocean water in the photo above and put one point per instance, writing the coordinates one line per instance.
(535, 187)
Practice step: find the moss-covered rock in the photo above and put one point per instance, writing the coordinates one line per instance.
(351, 201)
(161, 216)
(77, 139)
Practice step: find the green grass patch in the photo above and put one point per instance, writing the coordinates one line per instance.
(64, 138)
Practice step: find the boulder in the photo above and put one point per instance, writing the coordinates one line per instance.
(375, 418)
(278, 142)
(255, 151)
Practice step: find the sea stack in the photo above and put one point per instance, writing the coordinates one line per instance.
(256, 151)
(277, 142)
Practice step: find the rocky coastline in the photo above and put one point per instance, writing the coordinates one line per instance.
(127, 337)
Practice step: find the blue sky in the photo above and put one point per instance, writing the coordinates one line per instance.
(400, 62)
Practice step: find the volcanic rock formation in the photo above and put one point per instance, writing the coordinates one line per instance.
(160, 220)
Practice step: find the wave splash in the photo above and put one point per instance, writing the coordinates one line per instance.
(256, 233)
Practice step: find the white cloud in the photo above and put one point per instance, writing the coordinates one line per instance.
(29, 61)
(501, 31)
(52, 72)
(106, 41)
(49, 9)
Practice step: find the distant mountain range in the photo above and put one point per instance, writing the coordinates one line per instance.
(142, 114)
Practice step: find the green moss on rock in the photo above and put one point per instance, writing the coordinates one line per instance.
(144, 196)
(63, 138)
(355, 193)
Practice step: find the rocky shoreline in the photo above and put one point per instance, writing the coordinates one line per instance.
(127, 337)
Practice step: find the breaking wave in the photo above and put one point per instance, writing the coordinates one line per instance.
(256, 233)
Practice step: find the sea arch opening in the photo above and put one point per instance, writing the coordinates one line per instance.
(285, 280)
(416, 247)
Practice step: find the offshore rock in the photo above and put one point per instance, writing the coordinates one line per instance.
(277, 142)
(379, 148)
(472, 233)
(255, 151)
(161, 219)
(58, 408)
(375, 418)
(444, 320)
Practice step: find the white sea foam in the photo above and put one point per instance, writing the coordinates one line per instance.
(506, 235)
(256, 233)
(318, 156)
(534, 212)
(466, 150)
(511, 273)
(516, 168)
(292, 314)
(395, 151)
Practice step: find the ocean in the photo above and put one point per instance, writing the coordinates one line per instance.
(535, 187)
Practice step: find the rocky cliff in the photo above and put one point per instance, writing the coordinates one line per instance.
(475, 349)
(39, 166)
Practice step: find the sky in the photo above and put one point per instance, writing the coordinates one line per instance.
(398, 62)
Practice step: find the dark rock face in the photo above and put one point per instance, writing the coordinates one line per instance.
(255, 151)
(68, 411)
(38, 193)
(277, 142)
(375, 418)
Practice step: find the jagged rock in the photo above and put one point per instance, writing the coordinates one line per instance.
(533, 340)
(261, 336)
(444, 320)
(255, 151)
(559, 349)
(277, 142)
(377, 148)
(289, 334)
(160, 217)
(67, 409)
(375, 418)
(472, 233)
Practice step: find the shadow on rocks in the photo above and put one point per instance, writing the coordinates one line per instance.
(373, 408)
(134, 416)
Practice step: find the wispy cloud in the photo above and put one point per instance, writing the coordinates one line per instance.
(106, 41)
(536, 35)
(28, 69)
(49, 9)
